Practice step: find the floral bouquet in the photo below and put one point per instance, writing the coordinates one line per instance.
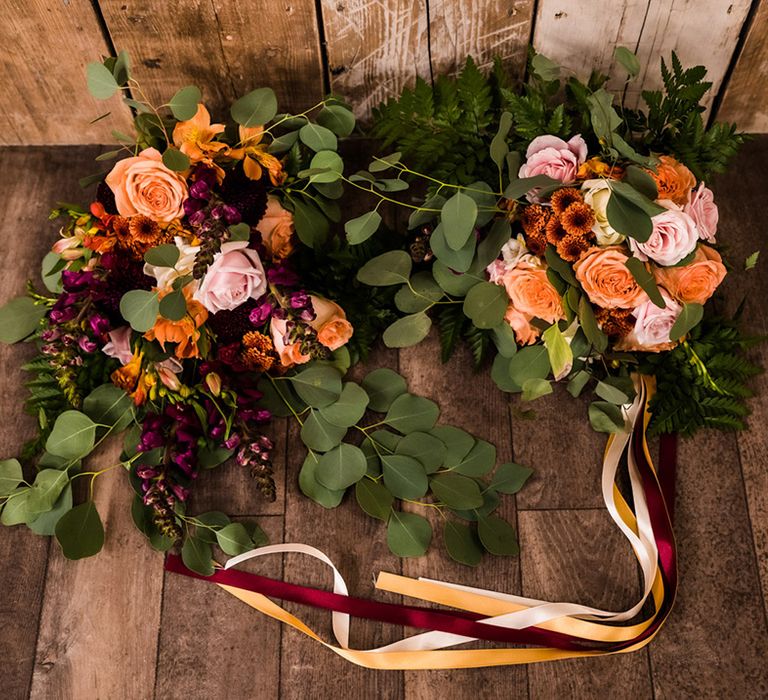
(168, 300)
(575, 235)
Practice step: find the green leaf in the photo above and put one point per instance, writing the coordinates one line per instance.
(311, 224)
(559, 351)
(628, 218)
(560, 266)
(455, 283)
(234, 539)
(646, 280)
(197, 555)
(407, 331)
(457, 491)
(101, 83)
(318, 434)
(140, 309)
(45, 523)
(318, 138)
(374, 498)
(72, 437)
(51, 272)
(162, 256)
(751, 260)
(458, 443)
(489, 248)
(628, 60)
(589, 325)
(173, 306)
(535, 388)
(341, 467)
(338, 119)
(80, 532)
(239, 232)
(499, 147)
(409, 413)
(311, 488)
(480, 459)
(383, 386)
(545, 68)
(689, 318)
(214, 520)
(458, 260)
(605, 417)
(210, 457)
(15, 510)
(10, 476)
(108, 405)
(175, 160)
(184, 103)
(318, 385)
(641, 181)
(524, 185)
(461, 543)
(426, 448)
(497, 536)
(392, 267)
(349, 408)
(256, 108)
(380, 164)
(485, 304)
(284, 142)
(386, 439)
(458, 216)
(420, 294)
(362, 228)
(122, 68)
(404, 476)
(530, 362)
(19, 318)
(504, 339)
(611, 393)
(578, 382)
(408, 534)
(602, 114)
(329, 160)
(510, 477)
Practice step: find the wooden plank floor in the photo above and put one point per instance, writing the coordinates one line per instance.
(117, 627)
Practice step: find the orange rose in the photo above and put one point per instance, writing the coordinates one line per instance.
(696, 282)
(673, 180)
(276, 229)
(525, 332)
(532, 294)
(607, 280)
(143, 185)
(333, 329)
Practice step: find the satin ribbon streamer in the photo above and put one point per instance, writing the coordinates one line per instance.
(553, 630)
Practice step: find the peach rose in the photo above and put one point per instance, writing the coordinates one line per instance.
(531, 293)
(143, 185)
(276, 229)
(697, 281)
(606, 279)
(525, 332)
(333, 329)
(290, 353)
(673, 180)
(703, 210)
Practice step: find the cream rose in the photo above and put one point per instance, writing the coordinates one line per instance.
(276, 229)
(674, 236)
(596, 195)
(165, 276)
(235, 275)
(143, 185)
(703, 210)
(607, 281)
(697, 281)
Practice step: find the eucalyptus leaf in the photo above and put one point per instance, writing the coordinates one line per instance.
(421, 293)
(72, 437)
(383, 163)
(455, 283)
(426, 448)
(338, 119)
(407, 331)
(45, 523)
(404, 476)
(559, 351)
(374, 498)
(162, 256)
(458, 443)
(80, 532)
(311, 488)
(689, 318)
(101, 83)
(16, 511)
(499, 147)
(234, 539)
(497, 536)
(331, 162)
(628, 60)
(646, 280)
(173, 306)
(197, 555)
(530, 362)
(10, 476)
(462, 543)
(349, 408)
(408, 534)
(545, 68)
(175, 160)
(360, 229)
(48, 485)
(458, 260)
(140, 309)
(535, 388)
(480, 459)
(392, 267)
(457, 491)
(318, 385)
(317, 137)
(184, 103)
(605, 417)
(311, 224)
(19, 318)
(589, 325)
(318, 434)
(256, 108)
(510, 477)
(341, 467)
(51, 269)
(458, 216)
(486, 304)
(409, 413)
(523, 186)
(383, 386)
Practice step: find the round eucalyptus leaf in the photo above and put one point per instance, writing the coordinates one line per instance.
(256, 108)
(404, 476)
(392, 267)
(331, 162)
(318, 385)
(530, 362)
(478, 461)
(349, 408)
(80, 532)
(407, 331)
(175, 160)
(426, 448)
(45, 523)
(318, 138)
(462, 543)
(457, 491)
(383, 386)
(72, 437)
(458, 216)
(140, 309)
(419, 294)
(311, 488)
(485, 304)
(196, 555)
(341, 467)
(340, 120)
(458, 260)
(166, 255)
(19, 318)
(15, 510)
(10, 476)
(408, 534)
(374, 498)
(409, 413)
(184, 103)
(48, 485)
(455, 283)
(101, 83)
(510, 477)
(173, 306)
(320, 435)
(360, 229)
(234, 539)
(497, 536)
(457, 442)
(108, 405)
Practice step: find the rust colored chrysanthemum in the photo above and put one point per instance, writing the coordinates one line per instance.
(571, 247)
(143, 229)
(555, 231)
(578, 219)
(562, 199)
(534, 219)
(121, 228)
(615, 323)
(258, 352)
(536, 243)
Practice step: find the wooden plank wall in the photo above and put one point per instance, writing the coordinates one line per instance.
(366, 50)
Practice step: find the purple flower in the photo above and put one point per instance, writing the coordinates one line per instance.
(261, 313)
(232, 214)
(283, 276)
(299, 300)
(192, 205)
(307, 315)
(217, 212)
(50, 334)
(197, 218)
(144, 472)
(99, 324)
(86, 344)
(233, 442)
(62, 315)
(200, 189)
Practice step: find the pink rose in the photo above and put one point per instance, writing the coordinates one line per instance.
(235, 275)
(143, 185)
(119, 345)
(652, 326)
(550, 155)
(673, 237)
(290, 353)
(703, 210)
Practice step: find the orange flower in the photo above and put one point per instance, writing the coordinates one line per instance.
(255, 157)
(607, 280)
(595, 167)
(673, 180)
(185, 333)
(194, 137)
(696, 282)
(127, 376)
(532, 294)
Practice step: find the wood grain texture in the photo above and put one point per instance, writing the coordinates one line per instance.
(211, 644)
(100, 619)
(482, 30)
(43, 94)
(581, 556)
(472, 402)
(745, 99)
(224, 48)
(42, 177)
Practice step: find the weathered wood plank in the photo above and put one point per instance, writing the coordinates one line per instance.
(225, 48)
(98, 628)
(357, 545)
(469, 401)
(481, 30)
(43, 94)
(580, 556)
(715, 641)
(211, 644)
(745, 100)
(375, 48)
(41, 176)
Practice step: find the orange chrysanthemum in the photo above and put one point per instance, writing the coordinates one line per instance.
(571, 247)
(143, 230)
(562, 199)
(555, 231)
(258, 352)
(534, 219)
(615, 323)
(578, 219)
